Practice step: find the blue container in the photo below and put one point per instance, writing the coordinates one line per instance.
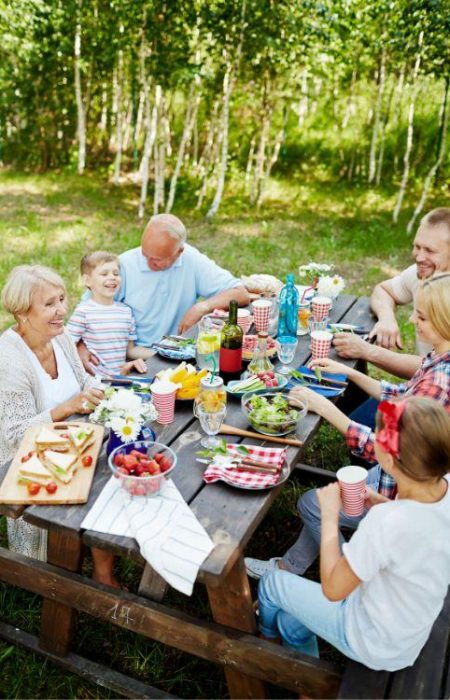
(114, 440)
(288, 314)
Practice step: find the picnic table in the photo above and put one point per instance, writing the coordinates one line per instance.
(230, 517)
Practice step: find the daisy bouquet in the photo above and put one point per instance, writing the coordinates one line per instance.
(124, 412)
(330, 286)
(312, 272)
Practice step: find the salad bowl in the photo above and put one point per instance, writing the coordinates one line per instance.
(271, 414)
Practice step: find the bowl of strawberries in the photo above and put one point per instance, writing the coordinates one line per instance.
(142, 467)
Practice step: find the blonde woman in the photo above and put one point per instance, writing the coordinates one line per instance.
(42, 380)
(432, 320)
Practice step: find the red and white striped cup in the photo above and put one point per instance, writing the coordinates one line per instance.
(352, 481)
(261, 314)
(163, 394)
(320, 344)
(320, 307)
(244, 319)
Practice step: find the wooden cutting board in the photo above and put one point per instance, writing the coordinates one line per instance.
(76, 491)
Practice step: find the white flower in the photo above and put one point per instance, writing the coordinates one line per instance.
(125, 400)
(127, 431)
(316, 269)
(330, 286)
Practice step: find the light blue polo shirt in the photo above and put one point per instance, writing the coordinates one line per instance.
(160, 299)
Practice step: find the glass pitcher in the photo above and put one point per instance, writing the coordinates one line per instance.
(208, 342)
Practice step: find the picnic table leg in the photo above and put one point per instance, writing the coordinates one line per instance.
(58, 620)
(231, 605)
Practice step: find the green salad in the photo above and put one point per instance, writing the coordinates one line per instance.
(271, 415)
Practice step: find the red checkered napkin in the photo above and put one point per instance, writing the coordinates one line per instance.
(273, 456)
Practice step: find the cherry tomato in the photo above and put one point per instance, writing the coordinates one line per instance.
(24, 459)
(51, 487)
(30, 454)
(33, 488)
(86, 460)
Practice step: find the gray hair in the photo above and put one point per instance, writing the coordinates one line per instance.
(171, 225)
(23, 281)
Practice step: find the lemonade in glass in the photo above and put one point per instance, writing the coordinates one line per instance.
(208, 343)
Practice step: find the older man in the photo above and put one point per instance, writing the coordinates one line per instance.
(431, 253)
(163, 279)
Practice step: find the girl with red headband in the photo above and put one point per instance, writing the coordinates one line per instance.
(378, 599)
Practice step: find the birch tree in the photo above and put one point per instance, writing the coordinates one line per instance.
(81, 117)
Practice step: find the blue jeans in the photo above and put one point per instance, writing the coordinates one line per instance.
(295, 609)
(306, 549)
(366, 413)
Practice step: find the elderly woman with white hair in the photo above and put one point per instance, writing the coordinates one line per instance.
(42, 380)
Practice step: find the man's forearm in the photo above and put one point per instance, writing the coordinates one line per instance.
(399, 364)
(383, 304)
(222, 299)
(138, 352)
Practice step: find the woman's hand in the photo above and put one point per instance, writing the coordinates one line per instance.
(139, 365)
(330, 502)
(330, 366)
(86, 401)
(316, 403)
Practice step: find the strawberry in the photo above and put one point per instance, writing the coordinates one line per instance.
(158, 456)
(118, 459)
(165, 464)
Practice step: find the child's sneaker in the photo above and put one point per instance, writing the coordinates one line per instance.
(256, 568)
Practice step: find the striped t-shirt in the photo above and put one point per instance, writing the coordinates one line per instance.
(105, 330)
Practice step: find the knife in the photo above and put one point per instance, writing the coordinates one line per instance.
(242, 465)
(328, 380)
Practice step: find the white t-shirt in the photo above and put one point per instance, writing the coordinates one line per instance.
(55, 391)
(401, 552)
(404, 287)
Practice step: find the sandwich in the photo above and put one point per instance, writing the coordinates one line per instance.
(34, 470)
(61, 465)
(81, 437)
(48, 439)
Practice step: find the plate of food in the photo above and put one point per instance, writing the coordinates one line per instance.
(324, 383)
(175, 347)
(249, 345)
(271, 413)
(256, 384)
(54, 464)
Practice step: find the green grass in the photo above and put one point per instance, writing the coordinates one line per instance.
(54, 219)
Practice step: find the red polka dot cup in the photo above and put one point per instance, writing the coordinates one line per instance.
(320, 344)
(321, 307)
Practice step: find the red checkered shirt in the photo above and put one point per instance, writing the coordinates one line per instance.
(431, 380)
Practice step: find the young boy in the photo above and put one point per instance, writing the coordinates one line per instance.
(106, 326)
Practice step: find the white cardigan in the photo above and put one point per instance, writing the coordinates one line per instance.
(21, 399)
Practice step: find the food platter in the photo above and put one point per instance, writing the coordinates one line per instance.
(282, 381)
(249, 345)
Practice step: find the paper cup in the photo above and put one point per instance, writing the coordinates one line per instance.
(320, 344)
(245, 319)
(321, 307)
(163, 394)
(352, 481)
(261, 314)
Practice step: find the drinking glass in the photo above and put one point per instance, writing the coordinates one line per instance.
(286, 347)
(210, 422)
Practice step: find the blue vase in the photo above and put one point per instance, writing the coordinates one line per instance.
(114, 440)
(288, 314)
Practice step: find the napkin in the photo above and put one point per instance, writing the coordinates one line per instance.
(169, 535)
(272, 456)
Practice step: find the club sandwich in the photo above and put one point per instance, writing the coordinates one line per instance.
(34, 470)
(48, 439)
(61, 465)
(81, 437)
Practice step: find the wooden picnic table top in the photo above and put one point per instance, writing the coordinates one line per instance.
(228, 514)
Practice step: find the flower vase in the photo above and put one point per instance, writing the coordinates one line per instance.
(114, 440)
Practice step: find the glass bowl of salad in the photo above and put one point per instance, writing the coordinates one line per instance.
(271, 414)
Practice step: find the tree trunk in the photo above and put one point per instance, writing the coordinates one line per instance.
(384, 123)
(150, 123)
(228, 82)
(433, 170)
(258, 173)
(81, 117)
(158, 148)
(303, 103)
(273, 159)
(207, 157)
(409, 137)
(187, 129)
(248, 169)
(376, 121)
(350, 106)
(119, 119)
(442, 127)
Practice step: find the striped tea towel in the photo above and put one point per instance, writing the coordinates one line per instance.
(273, 456)
(169, 535)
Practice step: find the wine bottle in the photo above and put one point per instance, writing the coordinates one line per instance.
(230, 358)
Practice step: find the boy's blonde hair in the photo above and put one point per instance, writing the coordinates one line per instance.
(92, 260)
(23, 281)
(435, 296)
